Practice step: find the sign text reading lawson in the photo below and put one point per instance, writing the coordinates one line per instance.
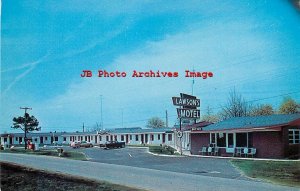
(186, 102)
(188, 113)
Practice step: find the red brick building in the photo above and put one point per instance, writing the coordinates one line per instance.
(273, 136)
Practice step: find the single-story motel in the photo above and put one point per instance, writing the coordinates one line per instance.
(272, 136)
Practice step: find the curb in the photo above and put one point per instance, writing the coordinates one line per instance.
(240, 158)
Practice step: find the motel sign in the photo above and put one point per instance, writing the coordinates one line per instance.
(188, 113)
(188, 106)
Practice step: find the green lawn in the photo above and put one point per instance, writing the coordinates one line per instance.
(279, 172)
(15, 177)
(67, 154)
(166, 150)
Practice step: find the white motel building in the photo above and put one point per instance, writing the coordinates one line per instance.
(131, 136)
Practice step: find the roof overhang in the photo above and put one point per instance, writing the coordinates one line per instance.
(243, 130)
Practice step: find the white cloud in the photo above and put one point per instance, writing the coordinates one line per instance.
(143, 98)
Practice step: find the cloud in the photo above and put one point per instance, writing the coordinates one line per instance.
(142, 98)
(29, 67)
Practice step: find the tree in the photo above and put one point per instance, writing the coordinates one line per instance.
(27, 124)
(289, 106)
(236, 106)
(266, 109)
(210, 117)
(155, 122)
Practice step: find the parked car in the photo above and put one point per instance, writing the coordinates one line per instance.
(86, 144)
(78, 144)
(75, 144)
(114, 144)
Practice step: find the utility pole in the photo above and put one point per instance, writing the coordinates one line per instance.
(101, 113)
(180, 137)
(25, 124)
(167, 119)
(82, 127)
(122, 118)
(193, 82)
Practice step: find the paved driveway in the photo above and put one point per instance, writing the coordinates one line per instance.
(138, 177)
(139, 157)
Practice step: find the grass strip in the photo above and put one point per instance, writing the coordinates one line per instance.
(66, 154)
(279, 172)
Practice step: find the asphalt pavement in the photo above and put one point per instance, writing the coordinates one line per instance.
(140, 157)
(149, 179)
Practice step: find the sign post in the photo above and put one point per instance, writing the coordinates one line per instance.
(187, 110)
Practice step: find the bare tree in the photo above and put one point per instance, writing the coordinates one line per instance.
(210, 116)
(236, 106)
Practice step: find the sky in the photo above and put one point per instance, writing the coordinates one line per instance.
(250, 46)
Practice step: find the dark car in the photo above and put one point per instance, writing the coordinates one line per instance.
(114, 144)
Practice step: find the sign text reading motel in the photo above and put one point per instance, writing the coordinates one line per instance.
(188, 113)
(188, 107)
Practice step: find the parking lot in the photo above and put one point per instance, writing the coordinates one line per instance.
(139, 157)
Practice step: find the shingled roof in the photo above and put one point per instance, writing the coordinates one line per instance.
(253, 122)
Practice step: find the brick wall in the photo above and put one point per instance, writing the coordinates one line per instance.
(269, 144)
(198, 140)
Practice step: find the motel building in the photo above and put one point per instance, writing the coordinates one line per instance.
(131, 136)
(272, 136)
(10, 139)
(183, 141)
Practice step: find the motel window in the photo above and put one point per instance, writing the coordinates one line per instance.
(294, 136)
(122, 137)
(20, 139)
(70, 138)
(46, 138)
(221, 139)
(241, 139)
(116, 138)
(85, 138)
(75, 137)
(5, 139)
(55, 138)
(65, 138)
(158, 137)
(35, 139)
(81, 138)
(213, 138)
(91, 137)
(100, 138)
(136, 137)
(16, 138)
(230, 140)
(78, 138)
(169, 137)
(151, 137)
(130, 137)
(107, 138)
